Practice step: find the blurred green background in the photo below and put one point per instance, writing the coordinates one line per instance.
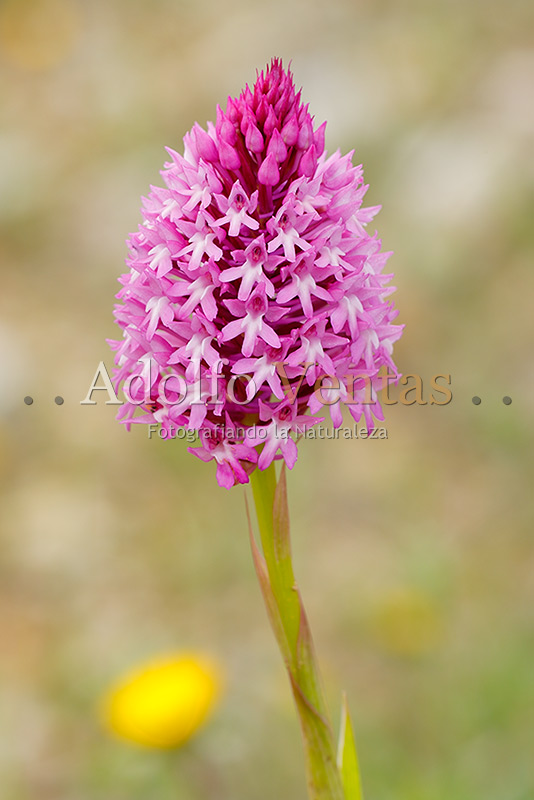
(415, 554)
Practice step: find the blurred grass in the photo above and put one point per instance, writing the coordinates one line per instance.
(415, 554)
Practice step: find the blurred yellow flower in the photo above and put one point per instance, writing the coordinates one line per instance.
(161, 704)
(407, 622)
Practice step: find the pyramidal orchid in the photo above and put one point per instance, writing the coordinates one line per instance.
(253, 262)
(251, 279)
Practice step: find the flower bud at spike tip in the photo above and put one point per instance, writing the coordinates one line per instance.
(207, 149)
(318, 138)
(229, 156)
(277, 147)
(308, 162)
(269, 174)
(228, 132)
(271, 122)
(290, 131)
(254, 139)
(305, 138)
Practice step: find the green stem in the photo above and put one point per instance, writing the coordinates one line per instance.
(286, 612)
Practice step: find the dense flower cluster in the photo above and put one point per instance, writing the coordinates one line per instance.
(254, 260)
